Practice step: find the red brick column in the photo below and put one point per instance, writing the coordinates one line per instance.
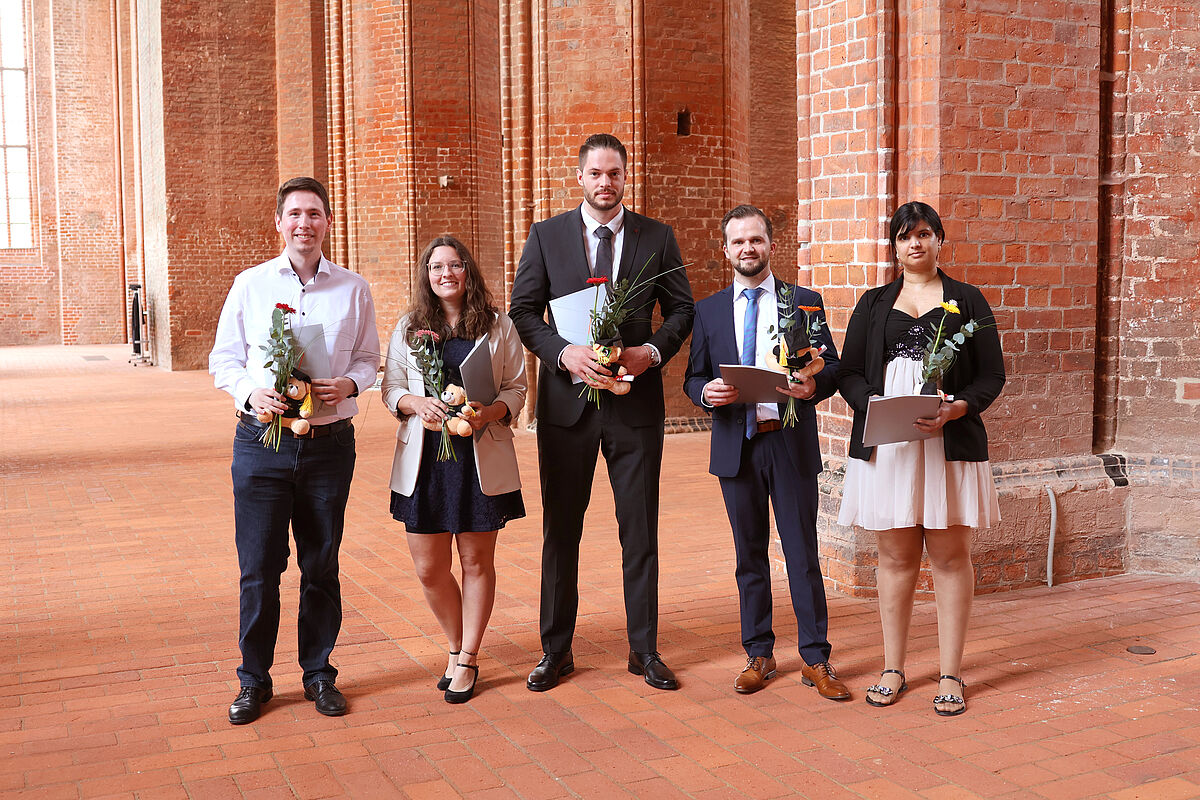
(1148, 361)
(209, 166)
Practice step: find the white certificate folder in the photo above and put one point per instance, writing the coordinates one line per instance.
(755, 384)
(890, 419)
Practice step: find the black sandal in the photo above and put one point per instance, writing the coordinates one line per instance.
(465, 695)
(884, 691)
(444, 683)
(951, 698)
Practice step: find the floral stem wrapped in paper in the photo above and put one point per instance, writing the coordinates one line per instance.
(794, 352)
(283, 356)
(941, 350)
(605, 328)
(429, 361)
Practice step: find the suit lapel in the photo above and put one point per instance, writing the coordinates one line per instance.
(724, 345)
(633, 229)
(576, 234)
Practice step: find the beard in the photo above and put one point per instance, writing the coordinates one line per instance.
(604, 205)
(751, 269)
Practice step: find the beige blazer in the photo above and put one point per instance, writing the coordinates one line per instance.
(495, 457)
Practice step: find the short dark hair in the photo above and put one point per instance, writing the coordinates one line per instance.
(744, 211)
(909, 215)
(602, 141)
(301, 185)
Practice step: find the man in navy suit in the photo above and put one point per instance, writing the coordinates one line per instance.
(601, 239)
(757, 457)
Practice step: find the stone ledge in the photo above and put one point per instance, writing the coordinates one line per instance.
(1083, 471)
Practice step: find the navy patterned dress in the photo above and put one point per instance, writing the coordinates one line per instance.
(447, 496)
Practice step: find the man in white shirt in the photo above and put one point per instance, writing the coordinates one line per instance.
(304, 483)
(757, 458)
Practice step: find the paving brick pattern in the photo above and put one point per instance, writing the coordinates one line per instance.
(119, 626)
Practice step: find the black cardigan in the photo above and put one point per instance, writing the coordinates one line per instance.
(977, 375)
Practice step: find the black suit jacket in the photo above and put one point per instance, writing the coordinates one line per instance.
(977, 375)
(713, 344)
(554, 263)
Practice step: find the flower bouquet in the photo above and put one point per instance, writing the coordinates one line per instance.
(429, 361)
(941, 350)
(794, 351)
(283, 356)
(604, 332)
(605, 327)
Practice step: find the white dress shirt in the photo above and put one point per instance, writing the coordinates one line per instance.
(616, 225)
(768, 317)
(336, 298)
(591, 244)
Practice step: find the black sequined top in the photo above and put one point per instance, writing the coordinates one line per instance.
(906, 337)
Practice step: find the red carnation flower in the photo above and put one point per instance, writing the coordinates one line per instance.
(597, 281)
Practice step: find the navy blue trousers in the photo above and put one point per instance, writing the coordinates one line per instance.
(768, 473)
(304, 486)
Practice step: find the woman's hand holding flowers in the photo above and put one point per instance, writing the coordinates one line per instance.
(429, 409)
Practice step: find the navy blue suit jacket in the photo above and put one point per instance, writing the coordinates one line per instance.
(713, 344)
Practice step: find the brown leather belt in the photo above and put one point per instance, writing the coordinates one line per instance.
(314, 432)
(768, 425)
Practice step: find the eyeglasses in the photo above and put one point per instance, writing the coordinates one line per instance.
(438, 269)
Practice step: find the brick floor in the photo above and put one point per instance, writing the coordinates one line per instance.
(119, 625)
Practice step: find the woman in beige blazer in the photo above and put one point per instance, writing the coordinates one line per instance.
(463, 502)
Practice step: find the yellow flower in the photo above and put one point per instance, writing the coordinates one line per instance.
(951, 306)
(783, 354)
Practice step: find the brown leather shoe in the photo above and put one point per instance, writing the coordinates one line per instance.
(758, 671)
(821, 675)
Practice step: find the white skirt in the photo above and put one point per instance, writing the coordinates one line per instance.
(906, 484)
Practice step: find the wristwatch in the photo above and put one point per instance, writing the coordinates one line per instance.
(655, 358)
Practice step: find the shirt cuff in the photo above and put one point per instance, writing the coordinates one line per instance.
(655, 356)
(559, 360)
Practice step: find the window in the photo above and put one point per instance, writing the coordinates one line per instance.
(16, 229)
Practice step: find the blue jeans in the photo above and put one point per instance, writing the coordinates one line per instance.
(305, 484)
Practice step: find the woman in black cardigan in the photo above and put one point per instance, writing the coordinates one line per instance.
(929, 493)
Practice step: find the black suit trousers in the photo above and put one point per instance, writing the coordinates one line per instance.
(567, 464)
(768, 472)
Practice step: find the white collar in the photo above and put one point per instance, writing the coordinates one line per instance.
(768, 285)
(590, 223)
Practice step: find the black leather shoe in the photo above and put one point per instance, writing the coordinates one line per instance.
(248, 704)
(330, 701)
(651, 665)
(547, 672)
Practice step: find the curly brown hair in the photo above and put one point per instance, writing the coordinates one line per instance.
(425, 309)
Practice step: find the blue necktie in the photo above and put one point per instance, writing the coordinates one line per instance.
(749, 345)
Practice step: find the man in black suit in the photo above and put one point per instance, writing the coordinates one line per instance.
(601, 238)
(756, 456)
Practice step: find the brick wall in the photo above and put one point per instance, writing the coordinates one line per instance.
(220, 167)
(993, 114)
(29, 279)
(69, 287)
(772, 124)
(1148, 372)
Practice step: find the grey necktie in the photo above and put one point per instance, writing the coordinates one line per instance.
(604, 252)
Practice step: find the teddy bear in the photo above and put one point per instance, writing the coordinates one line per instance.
(455, 396)
(796, 355)
(298, 398)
